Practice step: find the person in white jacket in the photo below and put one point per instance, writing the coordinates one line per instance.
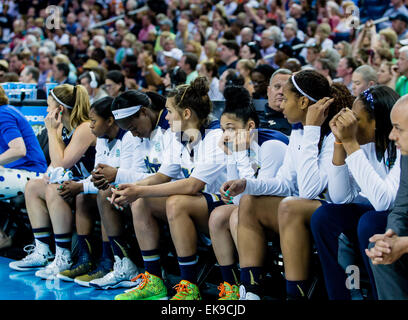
(309, 103)
(143, 114)
(114, 148)
(253, 152)
(185, 203)
(363, 181)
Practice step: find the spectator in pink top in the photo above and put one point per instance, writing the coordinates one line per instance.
(147, 27)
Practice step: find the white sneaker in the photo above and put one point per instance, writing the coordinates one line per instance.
(124, 270)
(61, 262)
(38, 256)
(243, 295)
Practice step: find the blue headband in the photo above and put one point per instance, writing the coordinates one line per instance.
(369, 97)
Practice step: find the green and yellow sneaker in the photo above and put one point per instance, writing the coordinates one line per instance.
(81, 267)
(103, 268)
(150, 287)
(228, 292)
(186, 291)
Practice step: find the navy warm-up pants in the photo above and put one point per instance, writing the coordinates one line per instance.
(336, 227)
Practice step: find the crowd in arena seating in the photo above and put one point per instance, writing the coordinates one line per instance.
(310, 144)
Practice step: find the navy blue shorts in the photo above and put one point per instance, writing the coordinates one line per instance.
(213, 201)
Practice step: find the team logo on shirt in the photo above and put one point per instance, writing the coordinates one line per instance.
(157, 147)
(118, 153)
(272, 122)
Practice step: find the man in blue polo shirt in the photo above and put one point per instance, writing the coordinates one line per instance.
(21, 157)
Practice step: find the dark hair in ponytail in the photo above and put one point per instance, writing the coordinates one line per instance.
(317, 86)
(102, 107)
(193, 96)
(378, 102)
(239, 103)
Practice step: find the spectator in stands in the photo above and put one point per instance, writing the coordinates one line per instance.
(245, 68)
(260, 79)
(188, 63)
(325, 68)
(283, 53)
(229, 53)
(250, 50)
(92, 83)
(266, 150)
(247, 35)
(21, 157)
(343, 48)
(381, 55)
(31, 75)
(45, 67)
(15, 63)
(230, 77)
(312, 54)
(174, 77)
(345, 70)
(291, 39)
(298, 176)
(3, 69)
(293, 65)
(183, 35)
(399, 25)
(272, 117)
(362, 184)
(11, 77)
(210, 71)
(147, 27)
(72, 153)
(402, 83)
(387, 74)
(115, 83)
(60, 73)
(172, 57)
(396, 7)
(387, 250)
(363, 78)
(270, 39)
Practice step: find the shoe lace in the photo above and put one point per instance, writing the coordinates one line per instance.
(144, 280)
(223, 292)
(29, 249)
(182, 290)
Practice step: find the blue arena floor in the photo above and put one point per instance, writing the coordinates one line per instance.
(17, 285)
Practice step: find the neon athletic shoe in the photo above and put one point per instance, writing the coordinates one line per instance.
(83, 266)
(186, 291)
(104, 267)
(150, 287)
(228, 292)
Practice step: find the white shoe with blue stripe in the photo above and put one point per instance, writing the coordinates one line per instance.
(38, 256)
(124, 270)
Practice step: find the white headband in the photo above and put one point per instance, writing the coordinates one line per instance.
(59, 101)
(126, 112)
(300, 90)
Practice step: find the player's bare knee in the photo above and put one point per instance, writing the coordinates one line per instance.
(175, 207)
(219, 219)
